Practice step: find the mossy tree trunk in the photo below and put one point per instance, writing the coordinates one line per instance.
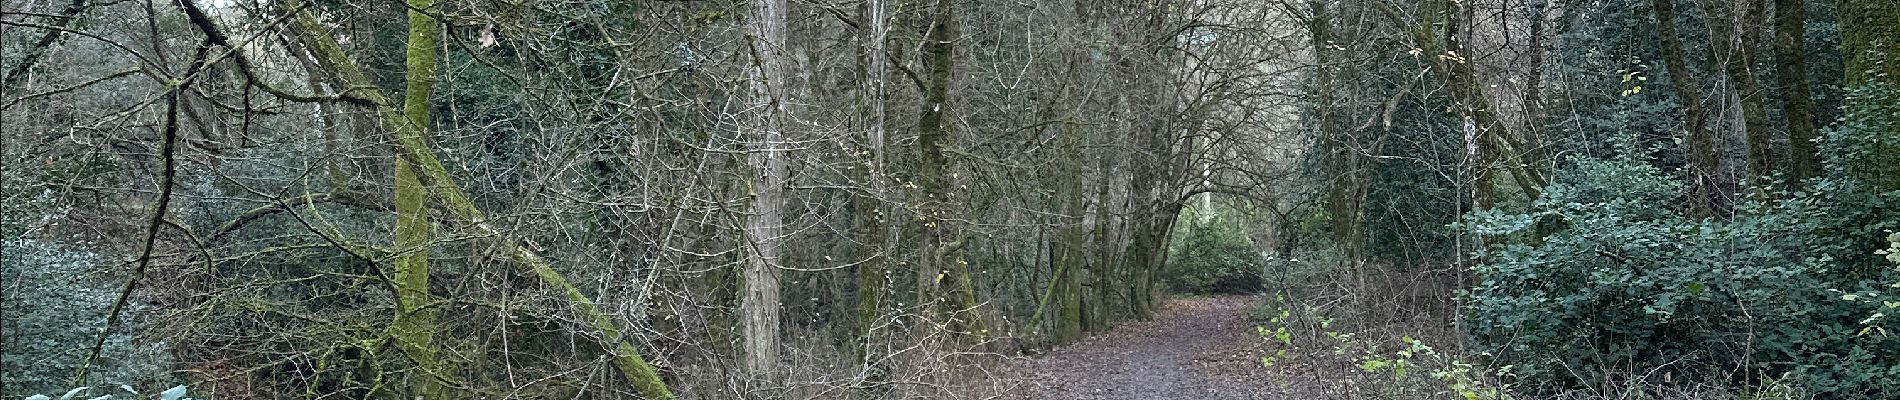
(1870, 41)
(1102, 274)
(1705, 193)
(1791, 71)
(1489, 145)
(1733, 32)
(932, 138)
(1536, 133)
(414, 328)
(1346, 157)
(1870, 49)
(445, 195)
(1067, 260)
(1152, 151)
(944, 275)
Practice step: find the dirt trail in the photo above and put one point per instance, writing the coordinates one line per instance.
(1192, 349)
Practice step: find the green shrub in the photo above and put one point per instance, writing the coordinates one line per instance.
(1624, 287)
(1212, 253)
(54, 311)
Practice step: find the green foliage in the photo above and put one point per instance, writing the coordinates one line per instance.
(54, 311)
(1407, 204)
(1211, 253)
(1410, 370)
(1626, 286)
(1865, 146)
(1459, 379)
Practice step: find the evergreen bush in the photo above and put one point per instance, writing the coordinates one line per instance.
(1625, 286)
(1212, 254)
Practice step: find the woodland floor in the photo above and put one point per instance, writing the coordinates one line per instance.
(1198, 348)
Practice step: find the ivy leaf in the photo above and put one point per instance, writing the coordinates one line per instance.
(175, 393)
(70, 393)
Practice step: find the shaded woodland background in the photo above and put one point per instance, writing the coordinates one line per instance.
(882, 198)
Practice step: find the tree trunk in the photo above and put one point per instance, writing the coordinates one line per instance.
(1143, 240)
(1334, 144)
(765, 223)
(1732, 38)
(1870, 41)
(873, 273)
(944, 275)
(1145, 99)
(1705, 194)
(1102, 275)
(1484, 132)
(1791, 71)
(1870, 49)
(1347, 156)
(1489, 144)
(1068, 244)
(1536, 130)
(414, 328)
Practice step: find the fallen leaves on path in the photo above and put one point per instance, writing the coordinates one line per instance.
(1201, 348)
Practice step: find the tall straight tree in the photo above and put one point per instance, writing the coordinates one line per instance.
(1067, 260)
(1346, 156)
(1791, 71)
(1481, 122)
(415, 326)
(868, 205)
(1145, 97)
(764, 122)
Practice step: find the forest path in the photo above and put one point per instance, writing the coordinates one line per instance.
(1199, 348)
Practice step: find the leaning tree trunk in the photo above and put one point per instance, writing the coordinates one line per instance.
(450, 198)
(1487, 140)
(1705, 195)
(1732, 37)
(55, 29)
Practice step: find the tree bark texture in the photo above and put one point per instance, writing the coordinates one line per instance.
(1706, 194)
(765, 224)
(1791, 72)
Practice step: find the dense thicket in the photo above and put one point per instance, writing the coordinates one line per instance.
(445, 199)
(776, 199)
(1715, 198)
